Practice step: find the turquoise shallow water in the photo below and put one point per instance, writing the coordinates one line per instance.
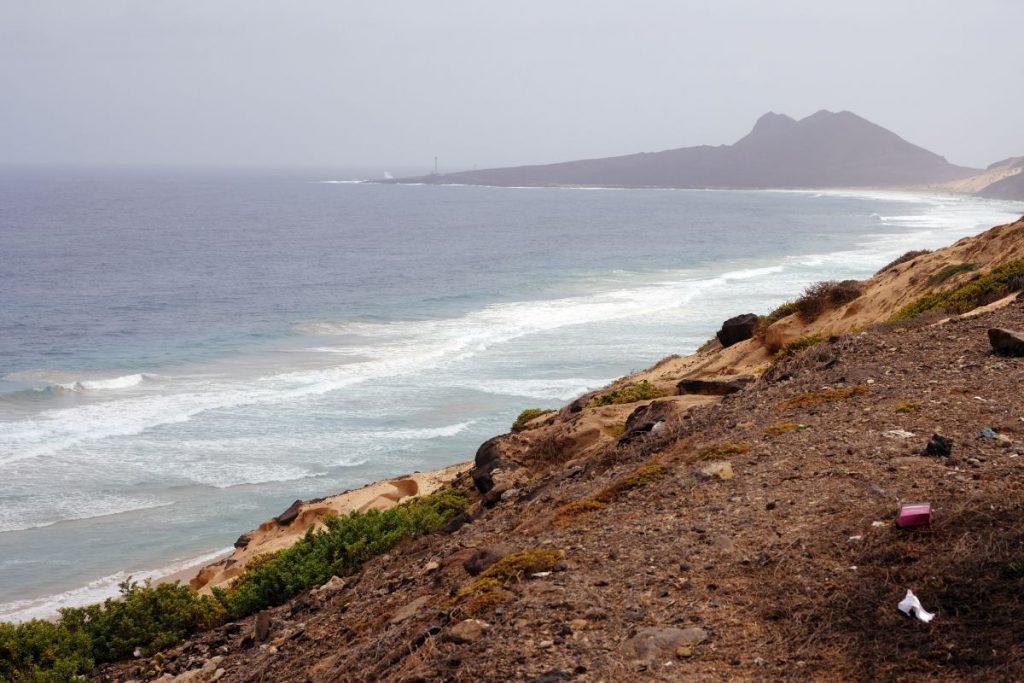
(182, 355)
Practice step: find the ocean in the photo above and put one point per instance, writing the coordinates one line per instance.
(184, 353)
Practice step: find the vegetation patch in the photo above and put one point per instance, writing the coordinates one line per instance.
(821, 397)
(909, 256)
(339, 550)
(721, 451)
(642, 391)
(527, 415)
(780, 428)
(949, 272)
(798, 345)
(578, 508)
(826, 294)
(710, 344)
(906, 407)
(155, 617)
(509, 569)
(615, 430)
(484, 603)
(1001, 281)
(766, 321)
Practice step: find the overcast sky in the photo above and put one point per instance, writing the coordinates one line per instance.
(380, 83)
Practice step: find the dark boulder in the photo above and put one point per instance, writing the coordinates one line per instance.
(1006, 342)
(243, 541)
(939, 445)
(289, 515)
(488, 458)
(714, 387)
(735, 330)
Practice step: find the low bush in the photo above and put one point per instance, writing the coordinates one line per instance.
(825, 294)
(151, 617)
(642, 391)
(527, 415)
(949, 272)
(906, 407)
(338, 550)
(909, 256)
(1000, 282)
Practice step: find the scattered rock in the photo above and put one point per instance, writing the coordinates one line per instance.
(335, 584)
(289, 515)
(737, 329)
(261, 627)
(207, 673)
(714, 387)
(939, 445)
(1006, 342)
(408, 611)
(656, 643)
(485, 557)
(433, 565)
(987, 433)
(898, 434)
(553, 676)
(494, 495)
(467, 631)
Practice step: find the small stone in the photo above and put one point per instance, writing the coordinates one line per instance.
(973, 462)
(717, 468)
(408, 611)
(546, 644)
(433, 565)
(987, 433)
(939, 445)
(467, 631)
(578, 625)
(596, 614)
(654, 644)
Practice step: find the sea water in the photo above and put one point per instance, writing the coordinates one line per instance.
(183, 354)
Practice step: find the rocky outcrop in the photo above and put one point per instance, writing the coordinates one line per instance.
(714, 387)
(737, 329)
(488, 458)
(1006, 342)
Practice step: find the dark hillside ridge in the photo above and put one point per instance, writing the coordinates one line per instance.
(826, 149)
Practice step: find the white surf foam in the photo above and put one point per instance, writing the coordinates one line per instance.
(33, 516)
(48, 606)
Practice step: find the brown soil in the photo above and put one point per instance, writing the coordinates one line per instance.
(788, 559)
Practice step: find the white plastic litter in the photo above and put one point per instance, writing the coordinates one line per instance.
(911, 606)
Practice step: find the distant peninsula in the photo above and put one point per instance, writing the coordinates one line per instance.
(824, 150)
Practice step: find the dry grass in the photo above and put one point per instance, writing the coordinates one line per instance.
(906, 407)
(818, 398)
(909, 256)
(720, 451)
(826, 294)
(780, 428)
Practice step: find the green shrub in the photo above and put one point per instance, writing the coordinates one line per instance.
(42, 652)
(155, 617)
(527, 415)
(144, 616)
(338, 550)
(1003, 280)
(909, 256)
(949, 272)
(631, 394)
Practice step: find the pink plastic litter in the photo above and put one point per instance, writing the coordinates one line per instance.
(915, 514)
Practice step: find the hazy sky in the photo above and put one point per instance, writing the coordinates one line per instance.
(346, 83)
